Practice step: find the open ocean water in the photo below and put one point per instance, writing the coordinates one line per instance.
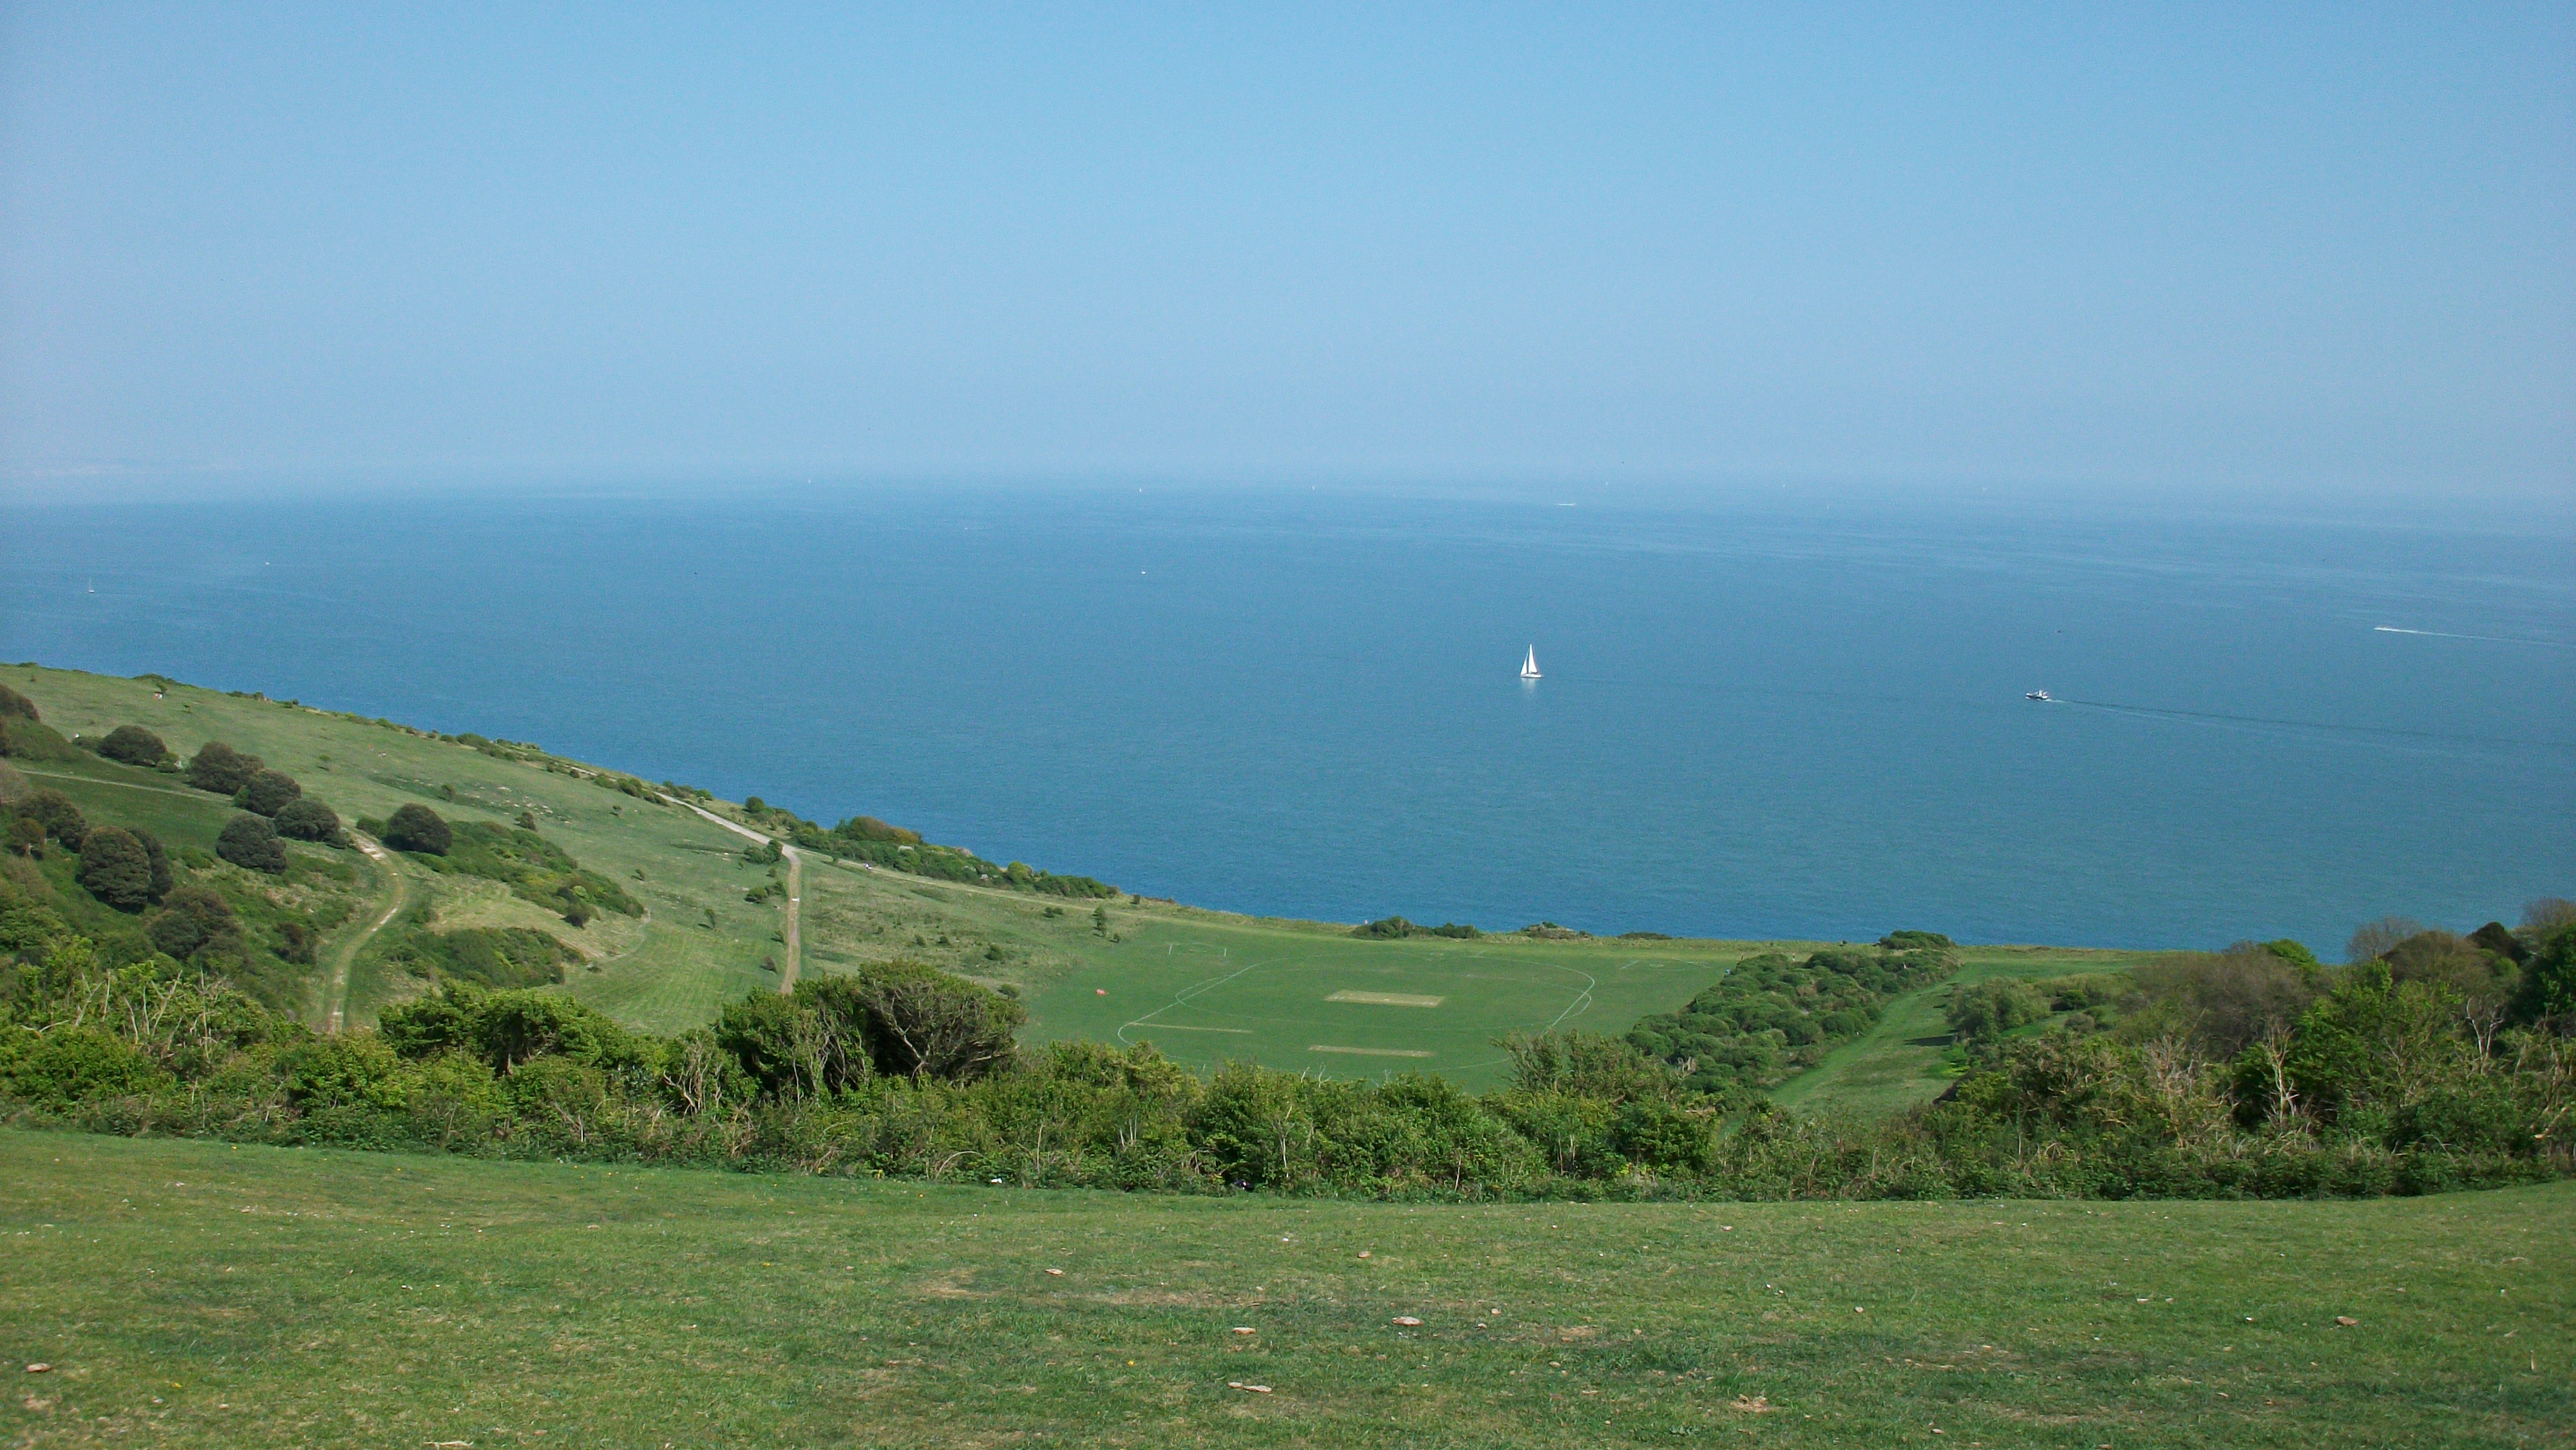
(1762, 715)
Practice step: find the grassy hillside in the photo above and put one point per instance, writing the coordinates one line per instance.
(195, 1294)
(700, 943)
(1898, 1064)
(1204, 986)
(367, 770)
(339, 894)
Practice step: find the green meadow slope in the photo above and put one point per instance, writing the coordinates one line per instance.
(700, 943)
(1203, 986)
(1899, 1062)
(196, 1294)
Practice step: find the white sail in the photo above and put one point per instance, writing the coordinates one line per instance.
(1529, 666)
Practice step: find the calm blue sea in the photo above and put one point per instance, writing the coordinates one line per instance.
(1762, 716)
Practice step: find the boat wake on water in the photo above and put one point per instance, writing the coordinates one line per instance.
(2152, 712)
(2484, 638)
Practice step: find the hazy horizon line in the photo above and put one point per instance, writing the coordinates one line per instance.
(129, 485)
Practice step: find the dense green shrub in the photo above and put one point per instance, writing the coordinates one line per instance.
(267, 793)
(1994, 1007)
(2548, 990)
(2223, 1002)
(507, 1030)
(1395, 927)
(869, 828)
(23, 733)
(219, 768)
(893, 1018)
(1588, 1065)
(55, 812)
(419, 829)
(626, 785)
(164, 875)
(2497, 938)
(78, 1064)
(26, 738)
(865, 838)
(2088, 992)
(251, 843)
(497, 957)
(1655, 1133)
(2293, 952)
(26, 838)
(349, 1070)
(306, 819)
(192, 918)
(117, 868)
(133, 745)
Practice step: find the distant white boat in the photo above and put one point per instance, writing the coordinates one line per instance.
(2039, 695)
(1529, 666)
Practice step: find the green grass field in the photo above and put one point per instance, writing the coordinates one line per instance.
(197, 1294)
(1205, 988)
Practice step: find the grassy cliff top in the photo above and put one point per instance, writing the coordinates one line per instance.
(1205, 986)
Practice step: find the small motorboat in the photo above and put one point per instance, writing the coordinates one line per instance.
(2040, 695)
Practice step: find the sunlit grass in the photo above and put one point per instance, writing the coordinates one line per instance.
(199, 1294)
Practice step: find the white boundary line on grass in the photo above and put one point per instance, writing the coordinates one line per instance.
(1180, 999)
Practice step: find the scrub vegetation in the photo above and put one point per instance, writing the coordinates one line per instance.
(1772, 1017)
(2346, 1082)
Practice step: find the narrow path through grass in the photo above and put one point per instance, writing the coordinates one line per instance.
(336, 1000)
(194, 795)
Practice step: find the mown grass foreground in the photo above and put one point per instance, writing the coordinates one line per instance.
(190, 1293)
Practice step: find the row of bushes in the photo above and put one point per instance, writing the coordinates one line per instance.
(900, 1069)
(2256, 993)
(258, 790)
(124, 867)
(1396, 928)
(894, 848)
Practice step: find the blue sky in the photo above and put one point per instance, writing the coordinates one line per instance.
(2232, 247)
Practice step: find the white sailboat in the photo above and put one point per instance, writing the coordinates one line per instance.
(1529, 666)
